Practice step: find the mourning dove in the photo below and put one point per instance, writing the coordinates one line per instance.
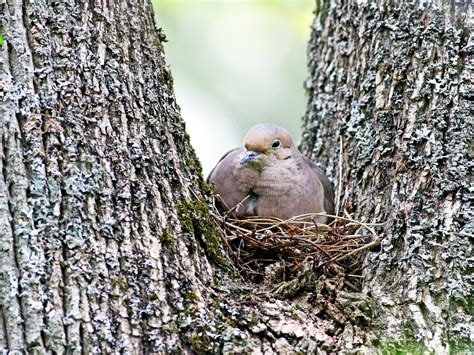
(269, 176)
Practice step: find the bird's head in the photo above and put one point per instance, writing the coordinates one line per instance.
(266, 141)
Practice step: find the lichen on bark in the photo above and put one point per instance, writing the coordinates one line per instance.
(91, 176)
(106, 243)
(389, 115)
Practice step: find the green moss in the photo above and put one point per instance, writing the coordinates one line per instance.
(200, 342)
(413, 347)
(166, 238)
(190, 157)
(193, 327)
(190, 296)
(202, 331)
(406, 347)
(171, 328)
(293, 313)
(322, 7)
(207, 188)
(254, 321)
(217, 280)
(193, 163)
(195, 219)
(121, 282)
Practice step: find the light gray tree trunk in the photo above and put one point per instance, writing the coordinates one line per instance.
(96, 169)
(390, 114)
(106, 244)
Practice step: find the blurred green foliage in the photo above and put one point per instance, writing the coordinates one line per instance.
(235, 64)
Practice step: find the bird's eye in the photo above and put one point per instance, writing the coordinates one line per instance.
(276, 143)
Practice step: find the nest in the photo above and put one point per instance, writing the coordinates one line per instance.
(263, 247)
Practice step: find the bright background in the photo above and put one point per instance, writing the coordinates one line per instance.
(236, 63)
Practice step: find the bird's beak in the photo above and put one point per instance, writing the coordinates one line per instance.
(249, 156)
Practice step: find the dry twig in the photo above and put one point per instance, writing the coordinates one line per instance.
(256, 242)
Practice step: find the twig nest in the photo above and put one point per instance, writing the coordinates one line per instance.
(272, 250)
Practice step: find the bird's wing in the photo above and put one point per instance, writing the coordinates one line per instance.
(230, 152)
(327, 186)
(224, 179)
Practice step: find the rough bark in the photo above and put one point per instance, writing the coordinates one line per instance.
(97, 178)
(390, 114)
(106, 244)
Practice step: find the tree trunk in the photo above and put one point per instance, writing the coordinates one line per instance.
(97, 176)
(390, 114)
(106, 242)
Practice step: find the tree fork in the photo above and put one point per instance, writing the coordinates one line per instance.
(106, 246)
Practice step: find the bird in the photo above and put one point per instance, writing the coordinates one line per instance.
(270, 177)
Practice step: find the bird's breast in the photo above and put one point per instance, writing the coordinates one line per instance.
(277, 178)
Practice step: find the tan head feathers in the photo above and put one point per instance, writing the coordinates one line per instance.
(263, 136)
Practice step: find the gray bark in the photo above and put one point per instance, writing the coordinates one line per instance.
(95, 163)
(390, 114)
(106, 243)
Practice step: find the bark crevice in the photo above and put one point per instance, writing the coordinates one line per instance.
(103, 208)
